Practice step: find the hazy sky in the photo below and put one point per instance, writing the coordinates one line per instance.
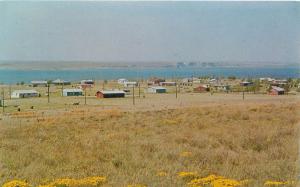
(150, 31)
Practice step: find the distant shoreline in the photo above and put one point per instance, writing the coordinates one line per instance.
(77, 65)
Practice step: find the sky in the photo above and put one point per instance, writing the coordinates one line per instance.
(150, 31)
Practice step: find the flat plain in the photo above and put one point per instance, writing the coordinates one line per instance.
(151, 142)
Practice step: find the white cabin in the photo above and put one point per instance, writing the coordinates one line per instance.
(130, 84)
(39, 83)
(157, 89)
(122, 81)
(72, 92)
(24, 93)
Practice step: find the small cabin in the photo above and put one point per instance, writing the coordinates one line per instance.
(187, 82)
(91, 82)
(202, 88)
(157, 89)
(72, 92)
(155, 81)
(246, 83)
(130, 84)
(278, 83)
(24, 93)
(85, 86)
(167, 83)
(61, 82)
(222, 88)
(39, 83)
(110, 94)
(122, 81)
(276, 91)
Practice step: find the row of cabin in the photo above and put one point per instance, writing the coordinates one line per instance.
(207, 88)
(79, 92)
(118, 93)
(34, 93)
(153, 81)
(83, 83)
(275, 90)
(45, 83)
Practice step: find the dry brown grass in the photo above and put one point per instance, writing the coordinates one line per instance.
(244, 141)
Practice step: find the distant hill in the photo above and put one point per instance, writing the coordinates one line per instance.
(61, 65)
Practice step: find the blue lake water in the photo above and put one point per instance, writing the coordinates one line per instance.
(14, 76)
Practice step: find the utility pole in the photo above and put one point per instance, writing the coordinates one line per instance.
(3, 100)
(176, 89)
(48, 92)
(243, 94)
(85, 96)
(133, 95)
(62, 88)
(139, 90)
(9, 91)
(192, 79)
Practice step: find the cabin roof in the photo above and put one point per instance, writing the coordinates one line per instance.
(60, 81)
(38, 82)
(73, 90)
(24, 91)
(112, 92)
(158, 87)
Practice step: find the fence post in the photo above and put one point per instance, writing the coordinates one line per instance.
(3, 103)
(133, 95)
(62, 89)
(48, 93)
(139, 90)
(85, 96)
(9, 91)
(176, 89)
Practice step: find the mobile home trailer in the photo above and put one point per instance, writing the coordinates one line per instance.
(72, 92)
(110, 94)
(39, 83)
(24, 93)
(157, 89)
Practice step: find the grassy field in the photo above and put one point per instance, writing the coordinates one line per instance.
(255, 139)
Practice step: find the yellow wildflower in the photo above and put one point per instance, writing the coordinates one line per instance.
(187, 175)
(47, 185)
(204, 181)
(225, 183)
(88, 181)
(16, 183)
